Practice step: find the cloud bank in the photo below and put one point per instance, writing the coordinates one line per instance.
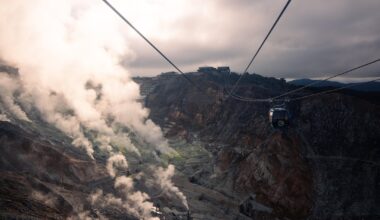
(313, 39)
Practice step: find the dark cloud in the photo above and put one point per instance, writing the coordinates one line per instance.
(314, 38)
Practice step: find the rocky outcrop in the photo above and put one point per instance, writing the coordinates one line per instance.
(22, 152)
(342, 138)
(39, 179)
(24, 197)
(279, 176)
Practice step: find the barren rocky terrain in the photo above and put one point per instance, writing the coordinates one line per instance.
(230, 164)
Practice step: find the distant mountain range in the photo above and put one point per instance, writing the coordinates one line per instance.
(365, 87)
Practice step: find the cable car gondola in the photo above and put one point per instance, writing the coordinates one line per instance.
(279, 116)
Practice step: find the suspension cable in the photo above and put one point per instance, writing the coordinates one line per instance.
(326, 79)
(150, 43)
(308, 85)
(333, 90)
(230, 93)
(249, 100)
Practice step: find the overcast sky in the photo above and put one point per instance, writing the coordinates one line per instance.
(314, 38)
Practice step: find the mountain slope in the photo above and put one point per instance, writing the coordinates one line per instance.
(290, 172)
(35, 173)
(364, 87)
(230, 163)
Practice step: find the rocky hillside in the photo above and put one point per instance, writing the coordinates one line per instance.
(41, 178)
(230, 163)
(366, 87)
(324, 166)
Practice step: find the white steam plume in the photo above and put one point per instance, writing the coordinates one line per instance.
(116, 161)
(163, 178)
(133, 202)
(130, 200)
(68, 54)
(8, 87)
(4, 117)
